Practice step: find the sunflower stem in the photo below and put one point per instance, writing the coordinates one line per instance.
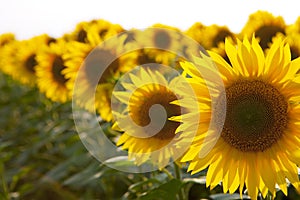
(181, 194)
(269, 196)
(167, 172)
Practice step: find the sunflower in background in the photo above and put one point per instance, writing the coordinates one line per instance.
(293, 38)
(164, 42)
(21, 58)
(148, 134)
(50, 72)
(5, 40)
(258, 143)
(294, 28)
(93, 56)
(104, 28)
(264, 26)
(196, 31)
(211, 37)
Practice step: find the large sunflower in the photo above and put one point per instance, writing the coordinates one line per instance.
(265, 26)
(257, 144)
(148, 134)
(50, 72)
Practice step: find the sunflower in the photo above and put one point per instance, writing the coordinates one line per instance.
(265, 26)
(161, 43)
(21, 58)
(214, 35)
(257, 143)
(196, 31)
(294, 28)
(148, 134)
(85, 61)
(102, 28)
(5, 39)
(50, 72)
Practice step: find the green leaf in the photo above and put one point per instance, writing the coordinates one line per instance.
(166, 191)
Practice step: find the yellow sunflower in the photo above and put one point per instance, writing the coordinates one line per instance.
(5, 39)
(265, 26)
(103, 29)
(161, 43)
(50, 72)
(294, 28)
(148, 134)
(21, 60)
(214, 35)
(196, 31)
(84, 62)
(257, 144)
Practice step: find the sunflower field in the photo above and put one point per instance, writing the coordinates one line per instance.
(161, 113)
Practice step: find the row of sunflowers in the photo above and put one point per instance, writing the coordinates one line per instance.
(258, 68)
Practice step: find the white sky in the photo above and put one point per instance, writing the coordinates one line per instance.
(27, 18)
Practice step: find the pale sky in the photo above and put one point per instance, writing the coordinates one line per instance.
(27, 18)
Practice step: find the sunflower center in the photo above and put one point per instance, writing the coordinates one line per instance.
(142, 101)
(162, 39)
(295, 52)
(266, 33)
(102, 33)
(256, 115)
(81, 36)
(220, 37)
(30, 63)
(57, 67)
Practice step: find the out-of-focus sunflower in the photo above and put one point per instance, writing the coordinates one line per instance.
(103, 28)
(214, 35)
(257, 144)
(294, 42)
(90, 58)
(265, 26)
(148, 134)
(5, 39)
(164, 42)
(21, 62)
(50, 72)
(196, 31)
(293, 28)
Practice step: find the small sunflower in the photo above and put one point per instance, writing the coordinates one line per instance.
(257, 144)
(5, 39)
(196, 31)
(102, 28)
(161, 43)
(50, 72)
(148, 135)
(212, 36)
(84, 62)
(293, 28)
(294, 42)
(265, 26)
(21, 61)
